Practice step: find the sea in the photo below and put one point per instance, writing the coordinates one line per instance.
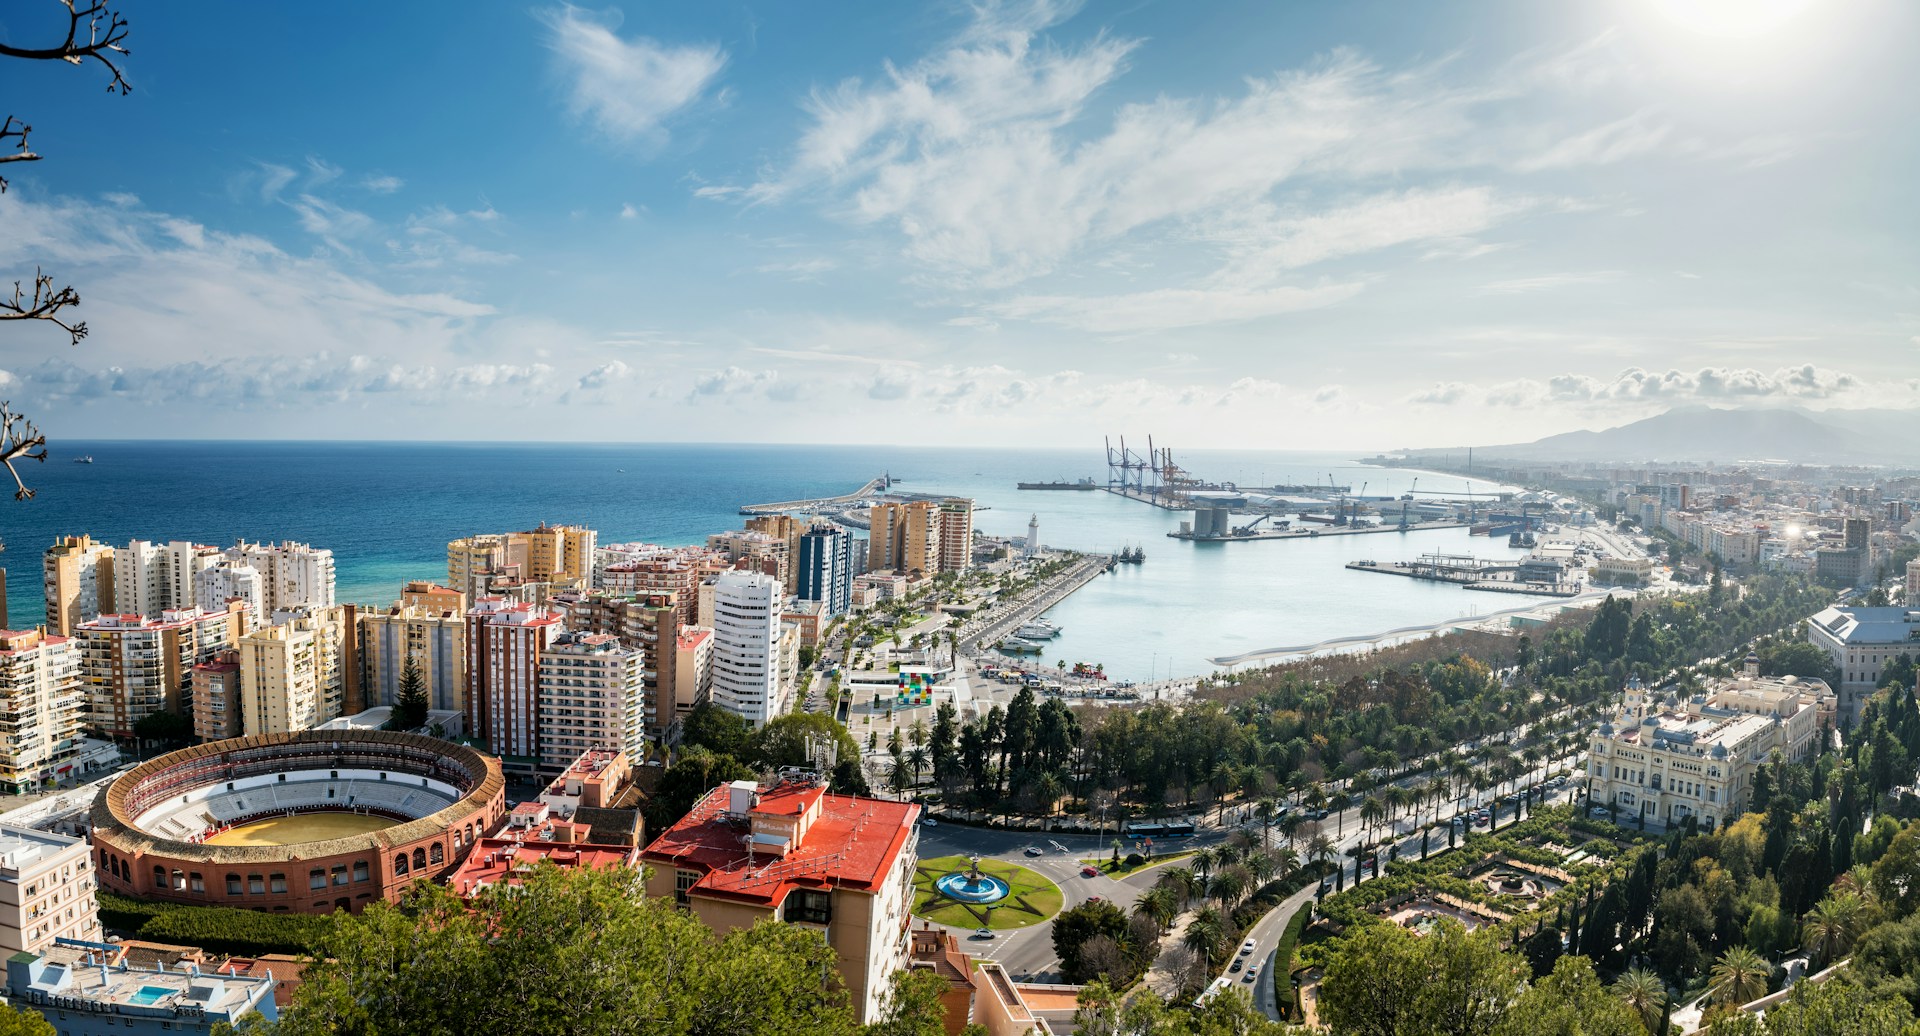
(387, 510)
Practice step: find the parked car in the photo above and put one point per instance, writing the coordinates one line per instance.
(1600, 812)
(929, 822)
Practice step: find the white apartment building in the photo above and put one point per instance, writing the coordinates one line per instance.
(435, 640)
(46, 890)
(746, 646)
(43, 709)
(228, 581)
(1663, 762)
(293, 674)
(150, 578)
(591, 695)
(1913, 583)
(293, 575)
(1862, 641)
(1613, 571)
(77, 582)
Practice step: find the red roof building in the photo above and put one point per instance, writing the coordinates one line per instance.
(841, 863)
(509, 860)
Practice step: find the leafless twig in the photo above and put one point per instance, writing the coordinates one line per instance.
(22, 154)
(18, 438)
(44, 304)
(94, 30)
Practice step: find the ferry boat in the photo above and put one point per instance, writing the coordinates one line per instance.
(88, 459)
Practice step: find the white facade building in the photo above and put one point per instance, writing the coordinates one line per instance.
(1862, 641)
(294, 575)
(746, 646)
(150, 578)
(41, 693)
(46, 890)
(226, 581)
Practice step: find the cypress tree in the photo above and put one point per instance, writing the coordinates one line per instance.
(410, 704)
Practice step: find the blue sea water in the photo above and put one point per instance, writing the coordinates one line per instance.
(387, 511)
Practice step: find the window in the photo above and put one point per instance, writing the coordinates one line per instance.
(360, 870)
(179, 880)
(196, 882)
(159, 879)
(316, 878)
(682, 881)
(277, 882)
(419, 859)
(809, 907)
(339, 874)
(233, 884)
(437, 855)
(400, 863)
(256, 885)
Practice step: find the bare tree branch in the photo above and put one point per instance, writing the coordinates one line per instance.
(44, 304)
(104, 32)
(22, 154)
(18, 437)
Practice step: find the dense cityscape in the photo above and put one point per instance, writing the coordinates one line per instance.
(1011, 518)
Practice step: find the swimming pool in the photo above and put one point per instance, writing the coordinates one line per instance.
(148, 995)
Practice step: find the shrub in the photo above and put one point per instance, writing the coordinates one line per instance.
(218, 929)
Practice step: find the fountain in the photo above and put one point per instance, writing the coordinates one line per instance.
(971, 886)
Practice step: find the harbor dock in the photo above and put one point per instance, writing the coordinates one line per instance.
(1313, 533)
(1469, 572)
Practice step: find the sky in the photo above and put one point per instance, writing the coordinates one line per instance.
(1229, 224)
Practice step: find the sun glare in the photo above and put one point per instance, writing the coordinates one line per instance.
(1731, 19)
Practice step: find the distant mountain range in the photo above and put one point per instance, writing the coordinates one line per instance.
(1700, 433)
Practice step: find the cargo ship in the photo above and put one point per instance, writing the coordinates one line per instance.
(1084, 485)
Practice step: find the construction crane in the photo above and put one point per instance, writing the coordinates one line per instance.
(1406, 502)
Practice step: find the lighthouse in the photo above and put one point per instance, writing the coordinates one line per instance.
(1033, 536)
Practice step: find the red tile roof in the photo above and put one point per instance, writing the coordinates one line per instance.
(854, 842)
(494, 860)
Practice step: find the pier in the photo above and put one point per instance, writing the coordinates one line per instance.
(998, 627)
(1470, 572)
(871, 489)
(1316, 533)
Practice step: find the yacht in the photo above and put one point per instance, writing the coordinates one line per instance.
(1038, 631)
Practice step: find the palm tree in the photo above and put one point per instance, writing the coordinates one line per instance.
(1462, 773)
(917, 761)
(1185, 885)
(1263, 866)
(1204, 933)
(1161, 903)
(1740, 976)
(1398, 799)
(1642, 991)
(1833, 924)
(1370, 813)
(1229, 887)
(1051, 787)
(1285, 862)
(1320, 850)
(1202, 864)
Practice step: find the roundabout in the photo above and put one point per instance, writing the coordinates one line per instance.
(974, 892)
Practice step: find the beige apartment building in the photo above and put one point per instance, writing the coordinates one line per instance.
(647, 623)
(591, 696)
(956, 534)
(505, 640)
(43, 708)
(132, 666)
(216, 697)
(839, 865)
(77, 580)
(436, 641)
(920, 537)
(788, 530)
(46, 890)
(294, 676)
(559, 555)
(692, 669)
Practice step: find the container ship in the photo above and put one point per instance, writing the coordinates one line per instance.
(1084, 485)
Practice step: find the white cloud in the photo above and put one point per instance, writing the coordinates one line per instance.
(1635, 385)
(1612, 142)
(799, 269)
(733, 381)
(381, 184)
(629, 88)
(627, 211)
(1166, 308)
(1548, 282)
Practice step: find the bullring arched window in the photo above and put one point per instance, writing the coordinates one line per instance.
(419, 859)
(438, 855)
(160, 878)
(400, 863)
(233, 884)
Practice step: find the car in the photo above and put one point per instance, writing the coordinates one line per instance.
(1033, 850)
(1252, 973)
(983, 933)
(1236, 965)
(1326, 886)
(929, 822)
(1095, 899)
(1367, 863)
(1246, 947)
(1089, 871)
(1601, 812)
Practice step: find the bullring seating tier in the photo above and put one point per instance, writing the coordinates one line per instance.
(191, 813)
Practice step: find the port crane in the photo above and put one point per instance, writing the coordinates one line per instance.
(1406, 502)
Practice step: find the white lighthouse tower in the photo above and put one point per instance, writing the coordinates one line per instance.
(1033, 536)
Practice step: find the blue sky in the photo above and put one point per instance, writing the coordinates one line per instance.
(1230, 224)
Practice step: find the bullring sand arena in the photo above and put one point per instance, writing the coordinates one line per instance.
(307, 827)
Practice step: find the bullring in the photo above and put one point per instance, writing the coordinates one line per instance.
(177, 827)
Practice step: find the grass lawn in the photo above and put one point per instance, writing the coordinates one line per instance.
(1032, 898)
(1105, 863)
